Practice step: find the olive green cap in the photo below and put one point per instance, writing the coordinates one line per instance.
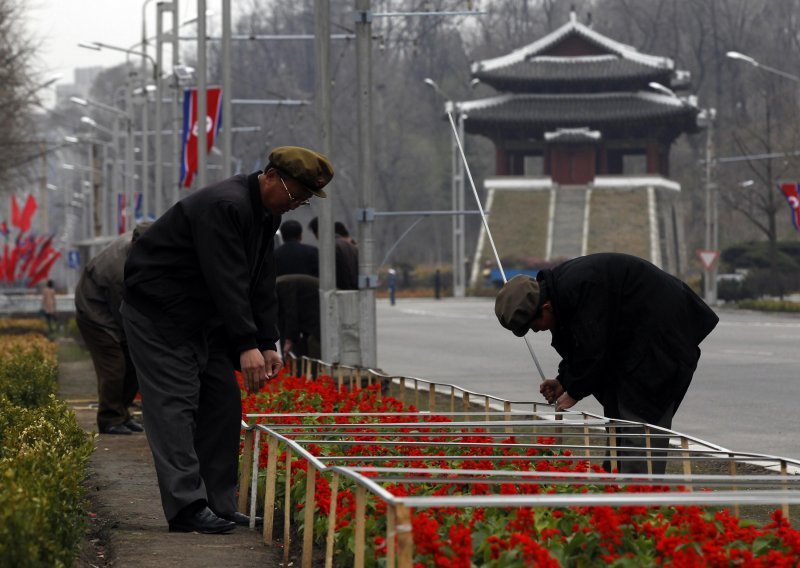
(516, 304)
(310, 168)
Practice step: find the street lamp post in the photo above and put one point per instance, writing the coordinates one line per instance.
(457, 194)
(711, 242)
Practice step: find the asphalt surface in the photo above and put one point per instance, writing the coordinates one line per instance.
(744, 396)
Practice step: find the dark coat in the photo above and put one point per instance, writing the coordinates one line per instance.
(298, 306)
(209, 261)
(294, 257)
(625, 329)
(346, 264)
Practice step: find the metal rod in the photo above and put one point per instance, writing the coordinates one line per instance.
(488, 231)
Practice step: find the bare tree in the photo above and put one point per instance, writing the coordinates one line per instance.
(19, 89)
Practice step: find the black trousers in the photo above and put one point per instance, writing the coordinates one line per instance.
(614, 406)
(192, 412)
(117, 384)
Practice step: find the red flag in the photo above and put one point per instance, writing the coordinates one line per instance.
(27, 213)
(791, 191)
(14, 212)
(190, 129)
(42, 273)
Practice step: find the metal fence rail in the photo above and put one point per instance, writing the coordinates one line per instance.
(588, 438)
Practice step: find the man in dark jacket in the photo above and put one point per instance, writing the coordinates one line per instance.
(294, 256)
(628, 333)
(98, 297)
(298, 314)
(200, 301)
(346, 255)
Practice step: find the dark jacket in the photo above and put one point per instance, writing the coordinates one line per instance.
(98, 294)
(208, 261)
(626, 327)
(346, 264)
(298, 306)
(294, 257)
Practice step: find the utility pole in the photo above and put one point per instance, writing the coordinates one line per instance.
(202, 108)
(712, 216)
(227, 114)
(329, 320)
(176, 108)
(367, 280)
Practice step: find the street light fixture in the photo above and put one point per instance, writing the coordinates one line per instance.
(752, 61)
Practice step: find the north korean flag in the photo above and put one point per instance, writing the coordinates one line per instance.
(792, 193)
(190, 130)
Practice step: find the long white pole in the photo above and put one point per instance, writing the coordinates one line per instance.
(486, 227)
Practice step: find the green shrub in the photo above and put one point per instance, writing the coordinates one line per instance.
(28, 371)
(770, 305)
(43, 455)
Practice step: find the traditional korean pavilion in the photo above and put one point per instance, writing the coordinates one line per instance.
(582, 146)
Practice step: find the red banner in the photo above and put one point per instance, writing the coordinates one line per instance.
(190, 130)
(791, 191)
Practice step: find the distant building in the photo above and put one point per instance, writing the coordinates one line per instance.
(582, 148)
(84, 78)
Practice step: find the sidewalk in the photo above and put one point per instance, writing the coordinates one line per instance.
(127, 525)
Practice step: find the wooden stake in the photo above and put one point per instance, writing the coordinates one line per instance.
(246, 469)
(648, 453)
(405, 538)
(403, 390)
(507, 411)
(586, 440)
(432, 398)
(391, 531)
(308, 515)
(287, 509)
(416, 393)
(732, 471)
(452, 399)
(269, 490)
(332, 521)
(784, 473)
(687, 461)
(612, 441)
(361, 501)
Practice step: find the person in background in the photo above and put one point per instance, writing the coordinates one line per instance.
(199, 302)
(346, 256)
(298, 314)
(294, 256)
(49, 305)
(98, 297)
(627, 332)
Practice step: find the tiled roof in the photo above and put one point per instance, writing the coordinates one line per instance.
(573, 27)
(542, 74)
(537, 114)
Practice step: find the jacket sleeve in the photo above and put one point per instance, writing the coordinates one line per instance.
(220, 236)
(582, 370)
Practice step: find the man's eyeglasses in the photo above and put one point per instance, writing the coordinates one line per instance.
(291, 197)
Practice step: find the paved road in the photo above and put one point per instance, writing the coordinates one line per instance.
(745, 394)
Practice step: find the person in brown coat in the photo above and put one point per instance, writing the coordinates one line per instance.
(98, 296)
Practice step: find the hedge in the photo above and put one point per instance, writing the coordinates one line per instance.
(43, 456)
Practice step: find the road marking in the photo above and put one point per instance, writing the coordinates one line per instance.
(746, 352)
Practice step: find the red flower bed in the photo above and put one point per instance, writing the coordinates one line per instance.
(680, 536)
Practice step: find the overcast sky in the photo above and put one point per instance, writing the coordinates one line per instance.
(59, 25)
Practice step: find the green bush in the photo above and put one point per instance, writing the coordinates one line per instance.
(770, 305)
(43, 455)
(27, 375)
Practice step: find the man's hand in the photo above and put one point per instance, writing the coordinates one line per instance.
(253, 369)
(564, 402)
(273, 363)
(551, 389)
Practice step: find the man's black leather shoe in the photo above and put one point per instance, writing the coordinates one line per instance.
(117, 429)
(134, 426)
(203, 521)
(242, 519)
